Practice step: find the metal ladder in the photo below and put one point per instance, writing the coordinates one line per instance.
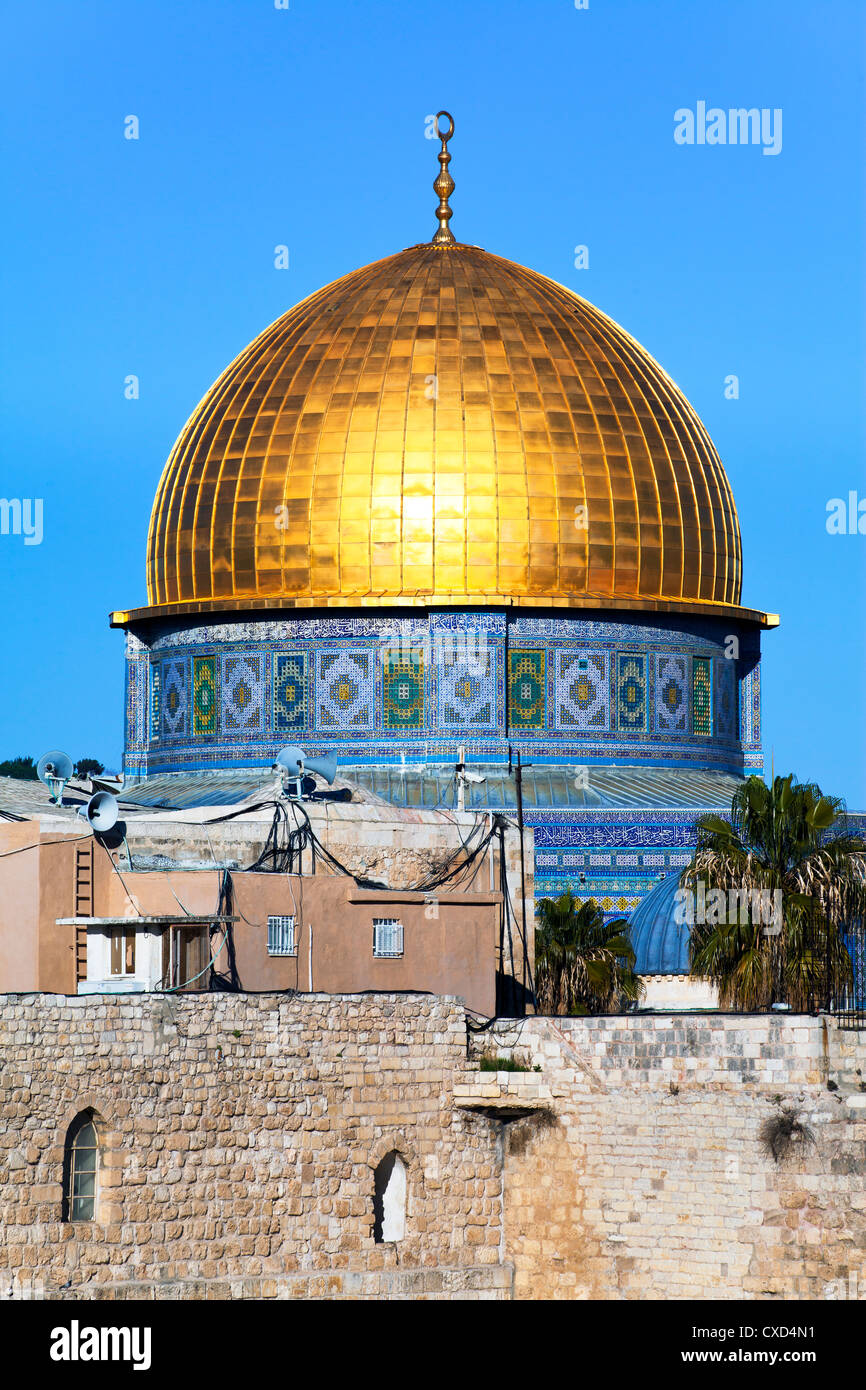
(83, 904)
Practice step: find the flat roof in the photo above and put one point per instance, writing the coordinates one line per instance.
(178, 920)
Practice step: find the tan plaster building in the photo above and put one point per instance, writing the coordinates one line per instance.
(142, 910)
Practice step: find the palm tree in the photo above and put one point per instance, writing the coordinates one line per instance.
(790, 841)
(582, 963)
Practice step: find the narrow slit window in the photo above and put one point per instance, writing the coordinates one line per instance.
(389, 1199)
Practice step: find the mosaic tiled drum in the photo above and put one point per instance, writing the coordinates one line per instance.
(565, 690)
(446, 503)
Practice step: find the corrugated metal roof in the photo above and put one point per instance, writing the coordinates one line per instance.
(545, 788)
(548, 788)
(181, 791)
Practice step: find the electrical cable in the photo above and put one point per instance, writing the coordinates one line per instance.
(230, 981)
(41, 844)
(452, 781)
(509, 907)
(172, 989)
(284, 843)
(214, 820)
(178, 901)
(120, 876)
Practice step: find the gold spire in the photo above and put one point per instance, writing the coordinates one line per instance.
(444, 185)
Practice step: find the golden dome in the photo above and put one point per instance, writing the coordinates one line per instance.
(443, 427)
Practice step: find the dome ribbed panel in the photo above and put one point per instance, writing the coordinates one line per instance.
(438, 427)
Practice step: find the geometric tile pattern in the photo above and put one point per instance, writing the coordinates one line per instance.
(154, 699)
(755, 721)
(243, 693)
(345, 690)
(749, 703)
(174, 697)
(671, 693)
(137, 703)
(631, 692)
(132, 717)
(726, 699)
(613, 857)
(582, 690)
(576, 690)
(204, 695)
(467, 687)
(330, 682)
(290, 691)
(403, 689)
(702, 695)
(744, 702)
(142, 714)
(526, 688)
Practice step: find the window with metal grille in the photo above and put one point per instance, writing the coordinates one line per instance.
(387, 936)
(81, 1164)
(281, 936)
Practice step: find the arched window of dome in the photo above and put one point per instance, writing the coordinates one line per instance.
(389, 1199)
(81, 1168)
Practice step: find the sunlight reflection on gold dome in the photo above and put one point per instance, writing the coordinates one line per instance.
(443, 426)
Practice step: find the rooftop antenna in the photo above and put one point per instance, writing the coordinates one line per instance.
(55, 770)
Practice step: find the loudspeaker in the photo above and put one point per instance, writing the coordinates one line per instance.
(323, 767)
(101, 811)
(291, 760)
(55, 770)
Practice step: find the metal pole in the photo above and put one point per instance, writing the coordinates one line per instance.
(504, 920)
(519, 781)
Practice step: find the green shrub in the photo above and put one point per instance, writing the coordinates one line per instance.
(489, 1062)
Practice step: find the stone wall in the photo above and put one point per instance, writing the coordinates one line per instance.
(239, 1137)
(647, 1176)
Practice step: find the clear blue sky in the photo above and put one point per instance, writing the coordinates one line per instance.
(261, 126)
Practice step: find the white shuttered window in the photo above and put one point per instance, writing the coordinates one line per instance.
(387, 936)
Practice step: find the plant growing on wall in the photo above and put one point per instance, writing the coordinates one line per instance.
(781, 1132)
(788, 842)
(492, 1061)
(583, 965)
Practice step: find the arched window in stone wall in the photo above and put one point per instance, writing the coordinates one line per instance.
(389, 1199)
(81, 1168)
